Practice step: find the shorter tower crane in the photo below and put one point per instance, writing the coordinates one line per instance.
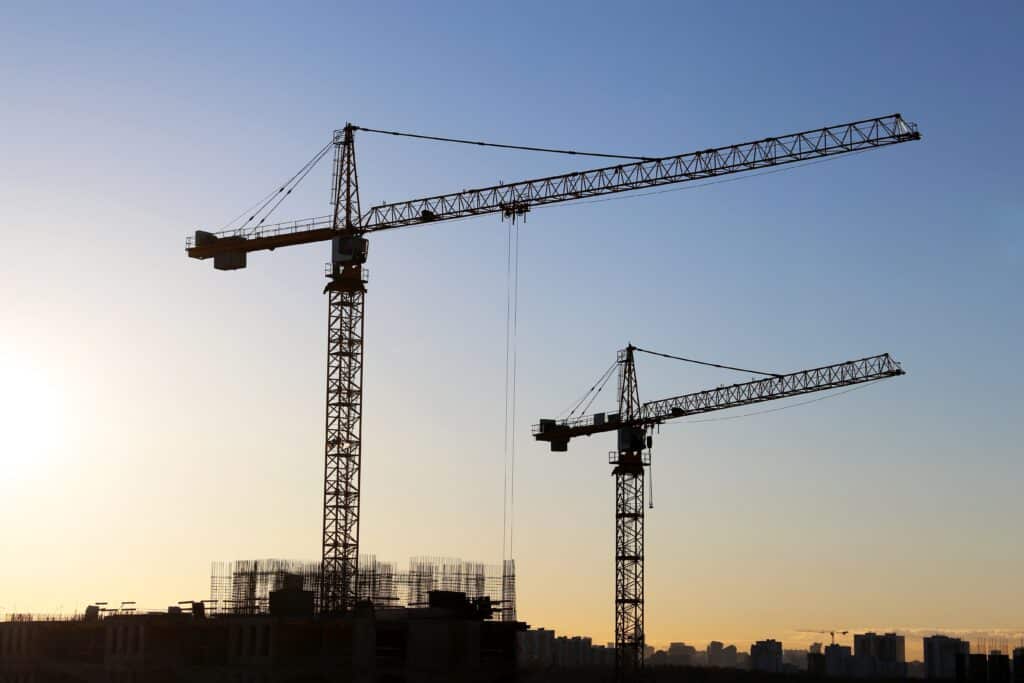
(634, 424)
(831, 633)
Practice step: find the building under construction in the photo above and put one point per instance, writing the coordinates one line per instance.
(246, 586)
(439, 620)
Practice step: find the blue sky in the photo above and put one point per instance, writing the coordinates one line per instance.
(182, 406)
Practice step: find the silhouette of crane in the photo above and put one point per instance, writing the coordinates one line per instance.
(348, 226)
(634, 424)
(831, 633)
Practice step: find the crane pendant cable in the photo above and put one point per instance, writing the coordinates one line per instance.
(511, 372)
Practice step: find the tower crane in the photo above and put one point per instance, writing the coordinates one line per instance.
(348, 226)
(831, 633)
(634, 423)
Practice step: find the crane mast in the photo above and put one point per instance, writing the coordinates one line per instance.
(346, 228)
(633, 424)
(346, 292)
(629, 460)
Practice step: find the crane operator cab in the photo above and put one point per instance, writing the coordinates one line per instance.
(349, 250)
(348, 254)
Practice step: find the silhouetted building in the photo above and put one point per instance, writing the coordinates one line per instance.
(1018, 665)
(766, 655)
(888, 647)
(977, 668)
(603, 657)
(998, 667)
(714, 653)
(878, 656)
(721, 656)
(447, 640)
(838, 661)
(681, 654)
(816, 664)
(940, 657)
(537, 648)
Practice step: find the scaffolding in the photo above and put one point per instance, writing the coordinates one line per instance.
(244, 586)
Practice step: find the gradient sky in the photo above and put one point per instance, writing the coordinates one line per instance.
(157, 414)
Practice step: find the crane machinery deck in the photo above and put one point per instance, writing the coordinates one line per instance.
(348, 225)
(634, 423)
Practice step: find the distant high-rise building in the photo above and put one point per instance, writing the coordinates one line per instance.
(838, 661)
(940, 656)
(998, 667)
(816, 663)
(881, 656)
(1018, 665)
(977, 668)
(766, 655)
(681, 654)
(815, 648)
(537, 647)
(715, 650)
(721, 656)
(888, 647)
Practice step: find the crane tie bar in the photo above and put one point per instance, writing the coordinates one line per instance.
(712, 365)
(495, 144)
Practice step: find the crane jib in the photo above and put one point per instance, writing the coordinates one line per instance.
(517, 198)
(823, 378)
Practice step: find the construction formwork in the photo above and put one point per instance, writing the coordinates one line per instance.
(244, 586)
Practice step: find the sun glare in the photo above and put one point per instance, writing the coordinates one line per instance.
(30, 418)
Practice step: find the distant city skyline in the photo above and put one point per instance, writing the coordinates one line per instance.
(882, 654)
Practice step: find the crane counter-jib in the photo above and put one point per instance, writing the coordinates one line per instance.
(519, 197)
(848, 373)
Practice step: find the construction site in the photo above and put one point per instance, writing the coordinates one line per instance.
(347, 615)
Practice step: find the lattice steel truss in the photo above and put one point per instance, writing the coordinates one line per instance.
(629, 463)
(629, 562)
(343, 448)
(346, 292)
(518, 197)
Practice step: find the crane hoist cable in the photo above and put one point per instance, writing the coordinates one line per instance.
(511, 374)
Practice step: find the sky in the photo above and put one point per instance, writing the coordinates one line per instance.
(158, 415)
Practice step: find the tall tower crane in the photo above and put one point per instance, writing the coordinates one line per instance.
(348, 226)
(634, 423)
